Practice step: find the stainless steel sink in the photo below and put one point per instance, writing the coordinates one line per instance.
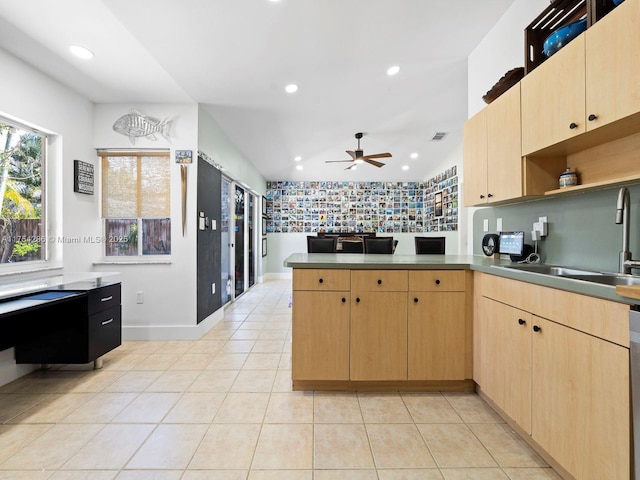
(608, 279)
(593, 276)
(551, 270)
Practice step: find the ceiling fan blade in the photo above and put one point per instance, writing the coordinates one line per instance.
(350, 167)
(338, 161)
(352, 154)
(373, 162)
(378, 155)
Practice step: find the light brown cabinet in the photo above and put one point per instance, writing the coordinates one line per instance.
(553, 99)
(557, 364)
(492, 151)
(437, 325)
(505, 353)
(591, 83)
(320, 331)
(380, 326)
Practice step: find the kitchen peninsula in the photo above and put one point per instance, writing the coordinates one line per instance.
(549, 354)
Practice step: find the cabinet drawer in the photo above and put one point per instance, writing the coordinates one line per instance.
(104, 331)
(379, 280)
(320, 279)
(103, 298)
(437, 280)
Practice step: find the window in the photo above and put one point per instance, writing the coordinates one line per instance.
(136, 203)
(22, 221)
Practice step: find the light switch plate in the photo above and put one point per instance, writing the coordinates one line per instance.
(499, 225)
(485, 225)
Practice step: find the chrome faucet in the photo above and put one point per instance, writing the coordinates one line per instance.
(623, 213)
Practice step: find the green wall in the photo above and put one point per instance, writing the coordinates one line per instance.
(582, 228)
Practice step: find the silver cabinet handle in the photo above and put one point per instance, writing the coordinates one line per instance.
(106, 299)
(107, 322)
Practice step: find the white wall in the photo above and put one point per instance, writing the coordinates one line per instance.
(500, 51)
(35, 99)
(169, 289)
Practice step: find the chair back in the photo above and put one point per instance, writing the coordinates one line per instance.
(321, 244)
(378, 245)
(352, 246)
(430, 245)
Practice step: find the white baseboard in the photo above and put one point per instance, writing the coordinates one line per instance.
(277, 276)
(172, 332)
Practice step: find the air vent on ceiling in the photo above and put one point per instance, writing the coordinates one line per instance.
(438, 135)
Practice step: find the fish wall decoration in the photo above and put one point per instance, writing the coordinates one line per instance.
(136, 125)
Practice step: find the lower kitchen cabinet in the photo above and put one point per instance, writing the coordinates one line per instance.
(566, 388)
(379, 336)
(439, 329)
(580, 401)
(384, 326)
(320, 333)
(505, 350)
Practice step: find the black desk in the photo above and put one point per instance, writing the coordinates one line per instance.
(75, 323)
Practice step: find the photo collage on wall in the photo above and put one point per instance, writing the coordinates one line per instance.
(359, 207)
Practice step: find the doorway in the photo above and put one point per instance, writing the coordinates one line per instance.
(238, 239)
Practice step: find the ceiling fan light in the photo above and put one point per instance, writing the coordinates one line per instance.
(358, 161)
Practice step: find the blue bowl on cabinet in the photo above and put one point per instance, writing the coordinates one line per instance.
(562, 36)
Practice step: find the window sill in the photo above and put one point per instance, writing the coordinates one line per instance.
(150, 261)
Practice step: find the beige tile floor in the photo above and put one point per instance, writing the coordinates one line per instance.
(221, 408)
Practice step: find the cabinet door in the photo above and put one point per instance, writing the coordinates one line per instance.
(581, 401)
(613, 65)
(378, 336)
(436, 336)
(504, 179)
(505, 352)
(553, 99)
(474, 146)
(320, 331)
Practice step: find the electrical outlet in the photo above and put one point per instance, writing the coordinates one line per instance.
(543, 219)
(139, 297)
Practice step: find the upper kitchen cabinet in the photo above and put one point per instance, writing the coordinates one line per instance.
(491, 144)
(553, 107)
(590, 84)
(613, 66)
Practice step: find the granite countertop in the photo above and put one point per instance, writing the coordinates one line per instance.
(479, 263)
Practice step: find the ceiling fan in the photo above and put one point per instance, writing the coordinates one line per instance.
(359, 157)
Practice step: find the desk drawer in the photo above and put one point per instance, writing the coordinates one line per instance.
(105, 331)
(103, 298)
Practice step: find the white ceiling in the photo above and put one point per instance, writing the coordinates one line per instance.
(234, 57)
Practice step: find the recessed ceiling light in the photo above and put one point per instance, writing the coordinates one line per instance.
(405, 167)
(298, 167)
(393, 70)
(81, 52)
(291, 88)
(414, 155)
(298, 158)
